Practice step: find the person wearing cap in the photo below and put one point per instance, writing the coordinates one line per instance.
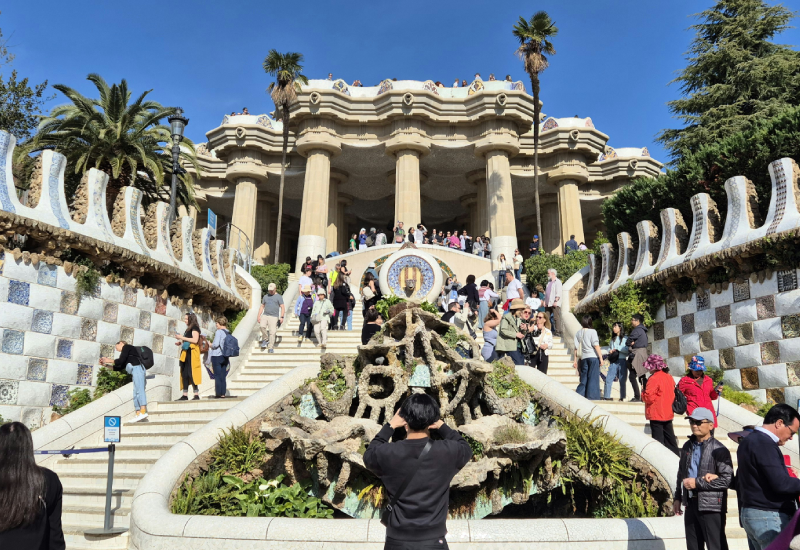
(705, 473)
(534, 247)
(321, 311)
(508, 333)
(698, 388)
(302, 308)
(658, 398)
(767, 494)
(270, 314)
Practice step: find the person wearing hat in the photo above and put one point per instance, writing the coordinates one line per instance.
(508, 333)
(658, 397)
(698, 388)
(705, 473)
(270, 314)
(321, 312)
(302, 308)
(766, 493)
(534, 247)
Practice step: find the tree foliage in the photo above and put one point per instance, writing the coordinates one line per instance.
(20, 105)
(746, 153)
(566, 266)
(735, 76)
(266, 274)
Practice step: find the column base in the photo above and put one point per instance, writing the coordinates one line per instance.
(309, 245)
(503, 245)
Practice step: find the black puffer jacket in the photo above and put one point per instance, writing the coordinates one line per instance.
(714, 459)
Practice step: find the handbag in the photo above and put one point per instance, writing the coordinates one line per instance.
(579, 349)
(387, 514)
(613, 357)
(368, 293)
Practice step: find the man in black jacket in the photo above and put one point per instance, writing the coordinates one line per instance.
(130, 361)
(767, 494)
(419, 515)
(705, 472)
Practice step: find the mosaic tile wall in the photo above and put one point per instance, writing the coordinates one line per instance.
(50, 342)
(751, 331)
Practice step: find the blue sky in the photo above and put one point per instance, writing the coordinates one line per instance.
(614, 59)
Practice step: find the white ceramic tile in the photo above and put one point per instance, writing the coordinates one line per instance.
(128, 316)
(758, 395)
(91, 308)
(787, 303)
(661, 347)
(107, 333)
(705, 320)
(10, 413)
(661, 313)
(68, 326)
(789, 349)
(748, 356)
(62, 372)
(689, 306)
(690, 343)
(142, 338)
(722, 298)
(3, 289)
(767, 330)
(159, 323)
(773, 376)
(174, 312)
(39, 345)
(45, 297)
(85, 352)
(724, 337)
(18, 270)
(676, 366)
(733, 379)
(672, 327)
(13, 367)
(145, 302)
(768, 287)
(742, 312)
(16, 316)
(112, 292)
(711, 357)
(34, 394)
(64, 281)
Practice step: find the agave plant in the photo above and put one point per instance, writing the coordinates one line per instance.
(124, 139)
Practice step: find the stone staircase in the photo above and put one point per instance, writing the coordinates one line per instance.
(633, 414)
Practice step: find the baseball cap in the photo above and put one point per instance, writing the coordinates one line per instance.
(697, 363)
(320, 291)
(701, 413)
(272, 286)
(536, 236)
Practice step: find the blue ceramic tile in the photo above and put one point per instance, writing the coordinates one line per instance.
(42, 321)
(2, 261)
(64, 349)
(58, 397)
(19, 292)
(8, 392)
(47, 274)
(37, 369)
(85, 375)
(13, 341)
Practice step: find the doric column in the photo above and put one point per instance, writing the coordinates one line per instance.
(470, 202)
(318, 148)
(408, 148)
(334, 228)
(481, 219)
(263, 243)
(551, 240)
(273, 230)
(500, 202)
(569, 211)
(244, 207)
(341, 222)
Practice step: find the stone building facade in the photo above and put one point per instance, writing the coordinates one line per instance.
(450, 158)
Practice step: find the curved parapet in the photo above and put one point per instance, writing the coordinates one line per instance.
(674, 239)
(649, 245)
(52, 207)
(782, 214)
(608, 267)
(705, 226)
(742, 212)
(625, 260)
(133, 236)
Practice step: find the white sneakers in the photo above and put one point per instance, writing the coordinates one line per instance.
(138, 417)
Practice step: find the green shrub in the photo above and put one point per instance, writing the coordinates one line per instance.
(738, 397)
(109, 380)
(476, 446)
(627, 301)
(566, 266)
(627, 501)
(87, 281)
(504, 381)
(234, 318)
(2, 420)
(595, 450)
(77, 398)
(384, 305)
(238, 452)
(274, 273)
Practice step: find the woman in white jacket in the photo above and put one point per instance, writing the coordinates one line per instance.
(543, 337)
(503, 265)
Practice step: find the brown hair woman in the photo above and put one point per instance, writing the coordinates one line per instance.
(191, 371)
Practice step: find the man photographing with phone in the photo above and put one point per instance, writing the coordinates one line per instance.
(416, 473)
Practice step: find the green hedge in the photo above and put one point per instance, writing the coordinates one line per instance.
(747, 153)
(566, 266)
(266, 274)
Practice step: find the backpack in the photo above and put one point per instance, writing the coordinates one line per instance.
(146, 355)
(371, 240)
(204, 345)
(230, 345)
(679, 405)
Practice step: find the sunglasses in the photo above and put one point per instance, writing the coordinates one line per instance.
(694, 422)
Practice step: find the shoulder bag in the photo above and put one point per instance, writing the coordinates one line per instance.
(579, 349)
(387, 514)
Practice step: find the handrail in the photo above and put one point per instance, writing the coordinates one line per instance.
(237, 240)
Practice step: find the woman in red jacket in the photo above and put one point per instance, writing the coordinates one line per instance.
(658, 395)
(698, 388)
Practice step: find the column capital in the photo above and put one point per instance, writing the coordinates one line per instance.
(408, 142)
(549, 198)
(497, 141)
(469, 199)
(339, 176)
(318, 139)
(246, 171)
(568, 173)
(476, 176)
(345, 199)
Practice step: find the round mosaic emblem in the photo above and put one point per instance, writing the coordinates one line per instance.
(411, 276)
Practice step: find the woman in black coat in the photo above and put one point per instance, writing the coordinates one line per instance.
(470, 290)
(30, 496)
(340, 298)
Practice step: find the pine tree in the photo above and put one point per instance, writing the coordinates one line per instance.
(736, 75)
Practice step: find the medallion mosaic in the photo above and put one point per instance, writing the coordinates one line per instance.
(671, 306)
(144, 320)
(53, 187)
(89, 329)
(622, 246)
(47, 274)
(429, 86)
(5, 199)
(19, 292)
(727, 359)
(698, 227)
(64, 348)
(781, 190)
(666, 223)
(99, 205)
(134, 217)
(551, 124)
(42, 321)
(8, 392)
(165, 234)
(341, 87)
(733, 212)
(13, 341)
(723, 316)
(687, 323)
(749, 378)
(385, 86)
(608, 154)
(58, 396)
(403, 268)
(69, 302)
(85, 373)
(475, 87)
(741, 291)
(770, 353)
(264, 121)
(765, 307)
(110, 311)
(37, 369)
(643, 246)
(790, 326)
(129, 296)
(703, 300)
(787, 280)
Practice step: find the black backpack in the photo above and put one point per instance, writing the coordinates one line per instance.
(146, 355)
(679, 405)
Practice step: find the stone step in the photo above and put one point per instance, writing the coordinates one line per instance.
(93, 496)
(255, 372)
(153, 425)
(255, 385)
(92, 479)
(76, 538)
(204, 405)
(100, 467)
(90, 517)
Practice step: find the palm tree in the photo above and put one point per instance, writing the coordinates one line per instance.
(534, 42)
(285, 67)
(123, 139)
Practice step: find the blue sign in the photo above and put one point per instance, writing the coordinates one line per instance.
(111, 426)
(212, 222)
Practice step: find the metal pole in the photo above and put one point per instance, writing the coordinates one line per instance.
(176, 150)
(109, 483)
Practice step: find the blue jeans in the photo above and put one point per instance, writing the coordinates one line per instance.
(762, 527)
(516, 356)
(342, 316)
(589, 370)
(613, 372)
(518, 273)
(305, 325)
(350, 319)
(220, 366)
(139, 383)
